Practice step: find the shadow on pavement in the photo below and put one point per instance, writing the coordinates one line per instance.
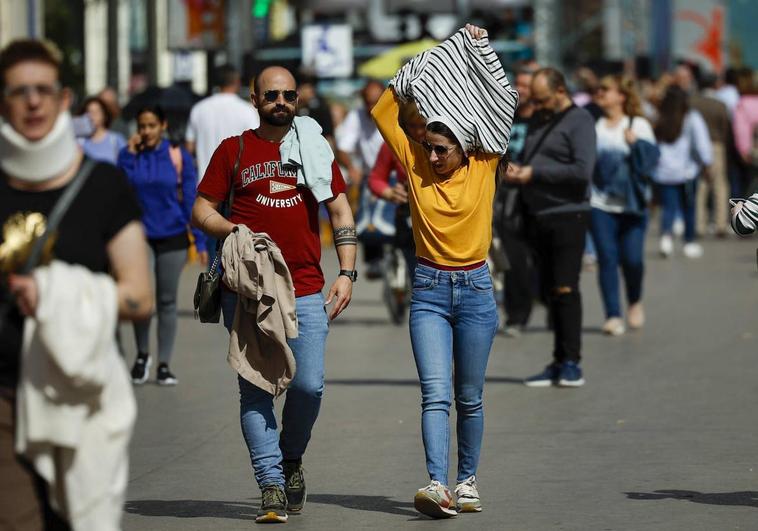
(193, 509)
(745, 498)
(378, 504)
(410, 382)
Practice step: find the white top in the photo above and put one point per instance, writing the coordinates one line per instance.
(729, 96)
(682, 160)
(358, 135)
(214, 119)
(611, 143)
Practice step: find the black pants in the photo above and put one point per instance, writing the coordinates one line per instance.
(558, 241)
(518, 280)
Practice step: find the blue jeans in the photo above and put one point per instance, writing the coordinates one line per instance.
(678, 198)
(301, 406)
(619, 240)
(453, 320)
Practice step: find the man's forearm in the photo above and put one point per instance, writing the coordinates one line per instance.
(210, 221)
(346, 243)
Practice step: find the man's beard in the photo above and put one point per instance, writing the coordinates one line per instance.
(279, 117)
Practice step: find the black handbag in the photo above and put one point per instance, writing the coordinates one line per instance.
(207, 299)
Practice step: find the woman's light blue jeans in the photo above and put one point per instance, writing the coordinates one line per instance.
(453, 320)
(302, 403)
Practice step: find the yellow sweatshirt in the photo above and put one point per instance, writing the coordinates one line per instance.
(452, 216)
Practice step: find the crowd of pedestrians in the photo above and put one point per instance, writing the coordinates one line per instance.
(446, 155)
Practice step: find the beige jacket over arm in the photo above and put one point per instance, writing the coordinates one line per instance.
(265, 315)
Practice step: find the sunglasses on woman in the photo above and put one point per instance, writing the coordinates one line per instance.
(273, 95)
(441, 151)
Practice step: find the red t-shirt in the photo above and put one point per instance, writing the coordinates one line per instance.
(267, 199)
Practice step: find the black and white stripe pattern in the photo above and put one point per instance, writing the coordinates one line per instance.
(746, 220)
(463, 81)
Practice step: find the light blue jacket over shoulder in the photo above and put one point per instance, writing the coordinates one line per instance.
(308, 152)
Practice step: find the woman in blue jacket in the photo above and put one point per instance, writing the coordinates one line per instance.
(626, 155)
(165, 180)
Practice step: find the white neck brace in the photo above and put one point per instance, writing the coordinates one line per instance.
(41, 160)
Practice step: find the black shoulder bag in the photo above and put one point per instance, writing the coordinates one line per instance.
(51, 227)
(207, 299)
(512, 213)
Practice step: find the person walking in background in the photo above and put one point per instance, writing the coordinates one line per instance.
(715, 182)
(164, 178)
(746, 120)
(103, 145)
(267, 199)
(358, 137)
(453, 314)
(626, 155)
(310, 103)
(519, 277)
(219, 116)
(685, 152)
(557, 163)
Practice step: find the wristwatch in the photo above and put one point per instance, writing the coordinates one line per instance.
(351, 274)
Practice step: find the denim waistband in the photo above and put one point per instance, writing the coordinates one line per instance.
(456, 277)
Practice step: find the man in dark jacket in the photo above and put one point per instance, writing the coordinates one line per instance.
(558, 159)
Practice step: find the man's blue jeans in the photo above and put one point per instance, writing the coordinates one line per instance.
(619, 241)
(678, 198)
(453, 320)
(301, 406)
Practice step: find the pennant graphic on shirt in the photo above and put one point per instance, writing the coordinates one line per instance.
(277, 187)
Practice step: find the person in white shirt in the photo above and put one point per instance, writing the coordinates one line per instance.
(626, 154)
(217, 117)
(686, 151)
(358, 137)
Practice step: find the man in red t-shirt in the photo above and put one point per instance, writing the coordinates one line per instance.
(267, 199)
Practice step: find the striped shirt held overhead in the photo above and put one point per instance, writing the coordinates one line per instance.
(461, 83)
(746, 220)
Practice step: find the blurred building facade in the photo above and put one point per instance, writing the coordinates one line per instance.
(129, 44)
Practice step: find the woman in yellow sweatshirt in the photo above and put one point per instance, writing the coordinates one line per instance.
(453, 315)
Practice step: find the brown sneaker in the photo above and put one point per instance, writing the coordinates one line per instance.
(435, 500)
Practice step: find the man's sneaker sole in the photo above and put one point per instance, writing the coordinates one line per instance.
(469, 507)
(271, 518)
(538, 383)
(426, 505)
(168, 381)
(143, 379)
(571, 383)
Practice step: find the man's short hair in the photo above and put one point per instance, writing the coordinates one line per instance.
(226, 76)
(24, 50)
(554, 78)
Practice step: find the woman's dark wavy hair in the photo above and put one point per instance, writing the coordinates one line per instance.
(107, 116)
(441, 129)
(157, 110)
(672, 111)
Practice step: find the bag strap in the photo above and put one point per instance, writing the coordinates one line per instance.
(56, 215)
(556, 120)
(235, 169)
(175, 154)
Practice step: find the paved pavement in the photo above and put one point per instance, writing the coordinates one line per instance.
(663, 436)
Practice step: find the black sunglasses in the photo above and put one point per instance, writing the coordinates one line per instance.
(441, 151)
(273, 95)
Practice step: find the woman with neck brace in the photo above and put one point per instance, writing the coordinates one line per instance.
(101, 231)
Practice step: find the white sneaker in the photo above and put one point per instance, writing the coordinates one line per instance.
(467, 494)
(666, 245)
(693, 250)
(435, 500)
(614, 327)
